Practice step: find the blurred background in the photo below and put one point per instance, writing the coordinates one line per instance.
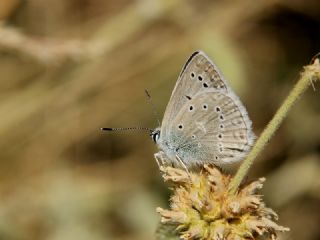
(70, 67)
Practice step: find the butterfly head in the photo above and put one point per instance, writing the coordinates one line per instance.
(155, 135)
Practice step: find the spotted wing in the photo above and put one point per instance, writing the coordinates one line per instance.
(198, 73)
(212, 127)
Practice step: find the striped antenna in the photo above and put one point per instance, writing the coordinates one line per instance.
(127, 129)
(138, 128)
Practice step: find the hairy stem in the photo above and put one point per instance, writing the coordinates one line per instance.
(311, 73)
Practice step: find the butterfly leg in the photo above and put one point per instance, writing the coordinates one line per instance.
(160, 158)
(183, 165)
(157, 158)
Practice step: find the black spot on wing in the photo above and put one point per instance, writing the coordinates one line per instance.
(188, 61)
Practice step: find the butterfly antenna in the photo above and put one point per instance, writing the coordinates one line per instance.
(154, 110)
(127, 129)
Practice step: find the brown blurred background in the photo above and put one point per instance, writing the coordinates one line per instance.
(70, 67)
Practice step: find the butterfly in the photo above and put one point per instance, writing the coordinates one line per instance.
(204, 121)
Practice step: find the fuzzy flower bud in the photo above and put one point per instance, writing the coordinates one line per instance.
(202, 208)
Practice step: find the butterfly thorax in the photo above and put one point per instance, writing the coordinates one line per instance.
(169, 148)
(163, 145)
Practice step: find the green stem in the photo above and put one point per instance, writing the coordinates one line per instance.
(311, 72)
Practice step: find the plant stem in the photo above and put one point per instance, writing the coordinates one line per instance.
(310, 73)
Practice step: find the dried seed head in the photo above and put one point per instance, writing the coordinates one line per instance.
(202, 208)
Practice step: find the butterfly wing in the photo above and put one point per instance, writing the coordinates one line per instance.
(197, 74)
(211, 127)
(204, 120)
